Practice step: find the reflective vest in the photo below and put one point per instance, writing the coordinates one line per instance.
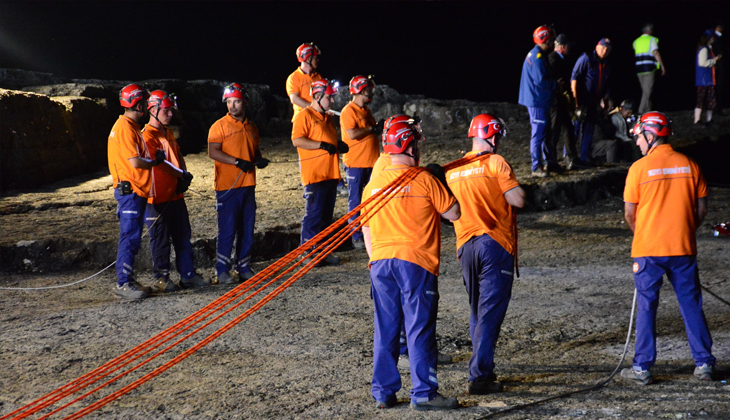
(645, 60)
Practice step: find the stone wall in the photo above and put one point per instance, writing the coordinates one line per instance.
(45, 139)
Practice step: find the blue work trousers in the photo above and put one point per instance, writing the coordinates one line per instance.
(319, 208)
(165, 221)
(539, 147)
(406, 293)
(236, 218)
(583, 130)
(130, 212)
(357, 178)
(682, 272)
(488, 271)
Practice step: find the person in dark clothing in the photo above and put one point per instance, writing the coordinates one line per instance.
(560, 114)
(721, 94)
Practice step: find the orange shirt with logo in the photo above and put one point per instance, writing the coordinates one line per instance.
(300, 82)
(165, 181)
(380, 164)
(364, 152)
(408, 227)
(316, 165)
(480, 187)
(239, 139)
(126, 142)
(665, 186)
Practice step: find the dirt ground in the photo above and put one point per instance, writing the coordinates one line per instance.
(308, 353)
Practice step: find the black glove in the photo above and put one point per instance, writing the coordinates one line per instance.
(437, 171)
(329, 148)
(261, 163)
(244, 165)
(159, 157)
(187, 176)
(378, 128)
(183, 183)
(342, 147)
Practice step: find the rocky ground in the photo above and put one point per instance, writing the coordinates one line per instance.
(308, 353)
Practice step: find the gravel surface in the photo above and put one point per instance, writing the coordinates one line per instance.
(308, 353)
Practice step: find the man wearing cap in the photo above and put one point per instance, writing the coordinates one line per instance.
(315, 137)
(130, 164)
(233, 143)
(665, 201)
(166, 215)
(300, 81)
(648, 60)
(536, 93)
(486, 243)
(361, 133)
(560, 114)
(589, 85)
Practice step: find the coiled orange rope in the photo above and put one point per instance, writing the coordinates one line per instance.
(321, 244)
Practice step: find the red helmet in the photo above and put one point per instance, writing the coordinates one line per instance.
(655, 123)
(162, 99)
(484, 126)
(399, 136)
(305, 52)
(414, 121)
(543, 34)
(360, 83)
(234, 90)
(131, 94)
(329, 87)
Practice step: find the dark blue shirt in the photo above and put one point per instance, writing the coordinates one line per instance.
(591, 73)
(536, 85)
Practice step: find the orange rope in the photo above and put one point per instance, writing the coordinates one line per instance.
(155, 342)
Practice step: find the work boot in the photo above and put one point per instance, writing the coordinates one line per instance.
(129, 292)
(165, 285)
(330, 259)
(146, 289)
(540, 173)
(388, 403)
(439, 402)
(484, 385)
(704, 372)
(641, 377)
(195, 281)
(245, 273)
(225, 278)
(358, 244)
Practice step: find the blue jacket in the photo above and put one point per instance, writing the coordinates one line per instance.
(704, 76)
(592, 76)
(536, 85)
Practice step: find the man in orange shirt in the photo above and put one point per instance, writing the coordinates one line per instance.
(298, 83)
(665, 202)
(315, 137)
(166, 214)
(487, 191)
(130, 164)
(360, 132)
(403, 240)
(233, 143)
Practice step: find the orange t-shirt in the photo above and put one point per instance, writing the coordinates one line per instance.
(165, 181)
(380, 164)
(300, 82)
(665, 186)
(408, 227)
(125, 142)
(239, 139)
(316, 165)
(480, 187)
(364, 152)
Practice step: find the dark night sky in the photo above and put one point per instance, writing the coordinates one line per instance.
(447, 50)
